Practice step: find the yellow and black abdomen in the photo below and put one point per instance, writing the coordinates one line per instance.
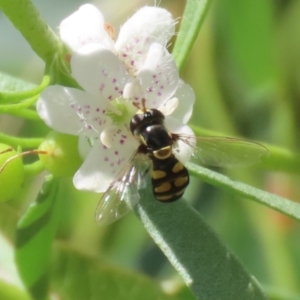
(169, 178)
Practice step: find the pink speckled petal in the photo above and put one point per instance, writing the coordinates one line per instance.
(158, 77)
(146, 26)
(72, 111)
(99, 71)
(103, 164)
(186, 99)
(85, 26)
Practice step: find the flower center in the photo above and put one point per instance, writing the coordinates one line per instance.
(121, 111)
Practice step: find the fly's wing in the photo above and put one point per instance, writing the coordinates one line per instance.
(123, 193)
(224, 151)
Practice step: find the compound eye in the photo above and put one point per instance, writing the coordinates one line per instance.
(135, 122)
(147, 114)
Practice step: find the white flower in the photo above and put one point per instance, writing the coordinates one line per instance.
(148, 25)
(102, 112)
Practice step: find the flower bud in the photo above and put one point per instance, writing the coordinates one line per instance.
(12, 173)
(62, 158)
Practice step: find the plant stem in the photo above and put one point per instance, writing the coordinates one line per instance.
(7, 108)
(34, 168)
(20, 141)
(26, 18)
(28, 114)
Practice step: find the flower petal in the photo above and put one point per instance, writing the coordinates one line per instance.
(103, 164)
(99, 71)
(169, 107)
(146, 26)
(72, 111)
(159, 76)
(186, 97)
(84, 146)
(84, 26)
(185, 146)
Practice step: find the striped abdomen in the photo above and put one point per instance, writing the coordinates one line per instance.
(169, 178)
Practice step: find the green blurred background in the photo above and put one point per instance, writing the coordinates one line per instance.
(245, 70)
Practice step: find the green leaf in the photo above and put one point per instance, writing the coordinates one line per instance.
(7, 108)
(20, 141)
(283, 205)
(34, 236)
(10, 84)
(77, 277)
(192, 19)
(14, 89)
(206, 265)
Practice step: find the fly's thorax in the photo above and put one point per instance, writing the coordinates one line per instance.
(157, 139)
(145, 118)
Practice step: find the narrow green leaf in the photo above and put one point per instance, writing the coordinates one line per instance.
(13, 89)
(78, 276)
(7, 108)
(20, 141)
(28, 114)
(206, 265)
(10, 84)
(194, 13)
(283, 205)
(34, 236)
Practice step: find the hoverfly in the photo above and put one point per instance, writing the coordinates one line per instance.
(157, 152)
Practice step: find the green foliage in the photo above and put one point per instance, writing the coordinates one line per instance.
(207, 266)
(12, 173)
(285, 206)
(89, 277)
(246, 86)
(192, 20)
(34, 237)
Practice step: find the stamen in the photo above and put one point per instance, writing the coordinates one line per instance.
(144, 104)
(110, 30)
(6, 150)
(136, 104)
